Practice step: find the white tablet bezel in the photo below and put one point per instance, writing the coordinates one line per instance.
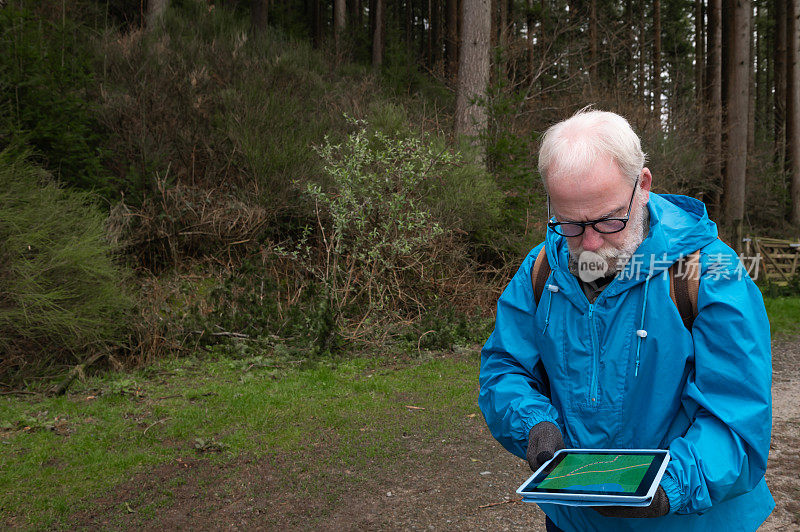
(618, 499)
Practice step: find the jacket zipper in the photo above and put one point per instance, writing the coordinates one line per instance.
(593, 334)
(594, 353)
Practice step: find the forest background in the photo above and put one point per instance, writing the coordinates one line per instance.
(309, 178)
(250, 249)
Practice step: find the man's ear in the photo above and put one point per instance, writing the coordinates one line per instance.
(646, 181)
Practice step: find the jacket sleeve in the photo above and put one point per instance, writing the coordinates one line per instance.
(512, 380)
(724, 452)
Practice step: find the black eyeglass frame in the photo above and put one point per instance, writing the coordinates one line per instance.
(555, 225)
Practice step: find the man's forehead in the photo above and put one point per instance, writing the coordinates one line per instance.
(569, 188)
(588, 197)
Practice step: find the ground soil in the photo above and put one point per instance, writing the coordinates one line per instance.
(464, 482)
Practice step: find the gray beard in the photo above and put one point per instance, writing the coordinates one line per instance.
(617, 259)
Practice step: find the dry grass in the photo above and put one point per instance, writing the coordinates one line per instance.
(182, 221)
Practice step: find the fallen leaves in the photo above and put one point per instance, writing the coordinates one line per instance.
(39, 422)
(201, 445)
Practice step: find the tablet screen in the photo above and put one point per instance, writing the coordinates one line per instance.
(598, 473)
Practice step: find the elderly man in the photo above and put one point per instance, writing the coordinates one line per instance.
(605, 358)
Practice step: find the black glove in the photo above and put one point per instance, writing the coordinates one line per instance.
(657, 508)
(544, 440)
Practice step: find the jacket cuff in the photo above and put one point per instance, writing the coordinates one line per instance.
(673, 493)
(529, 423)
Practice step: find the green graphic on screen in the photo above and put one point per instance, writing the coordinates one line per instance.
(598, 472)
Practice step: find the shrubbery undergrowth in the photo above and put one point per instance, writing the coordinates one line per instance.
(62, 295)
(200, 134)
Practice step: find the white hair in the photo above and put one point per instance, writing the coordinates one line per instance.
(574, 145)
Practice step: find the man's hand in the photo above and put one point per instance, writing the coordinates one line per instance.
(544, 440)
(657, 508)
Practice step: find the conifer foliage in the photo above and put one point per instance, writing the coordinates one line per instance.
(61, 294)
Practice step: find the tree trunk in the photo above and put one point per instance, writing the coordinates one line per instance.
(780, 72)
(657, 59)
(451, 40)
(713, 99)
(758, 60)
(593, 42)
(513, 28)
(427, 34)
(543, 37)
(493, 24)
(459, 33)
(628, 41)
(751, 99)
(422, 37)
(738, 70)
(409, 25)
(642, 49)
(473, 70)
(316, 23)
(675, 76)
(529, 24)
(751, 90)
(371, 21)
(791, 87)
(793, 105)
(259, 12)
(339, 17)
(352, 15)
(377, 35)
(502, 38)
(764, 68)
(436, 34)
(502, 23)
(155, 12)
(699, 55)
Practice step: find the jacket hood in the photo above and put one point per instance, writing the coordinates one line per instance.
(679, 226)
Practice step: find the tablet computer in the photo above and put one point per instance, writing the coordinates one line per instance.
(601, 475)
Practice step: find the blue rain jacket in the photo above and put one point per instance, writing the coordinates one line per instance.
(703, 395)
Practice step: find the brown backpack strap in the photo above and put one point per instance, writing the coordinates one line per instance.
(684, 285)
(539, 274)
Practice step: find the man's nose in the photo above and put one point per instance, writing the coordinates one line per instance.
(592, 240)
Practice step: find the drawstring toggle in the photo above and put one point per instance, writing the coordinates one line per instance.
(552, 289)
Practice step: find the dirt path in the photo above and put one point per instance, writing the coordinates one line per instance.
(783, 470)
(442, 488)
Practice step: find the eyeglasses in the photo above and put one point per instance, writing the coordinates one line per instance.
(603, 225)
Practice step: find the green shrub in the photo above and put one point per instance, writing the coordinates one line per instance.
(272, 117)
(386, 242)
(510, 147)
(373, 223)
(247, 302)
(443, 327)
(202, 102)
(376, 207)
(461, 195)
(62, 297)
